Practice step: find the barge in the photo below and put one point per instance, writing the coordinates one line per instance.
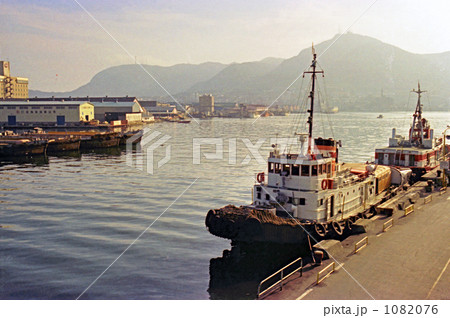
(22, 147)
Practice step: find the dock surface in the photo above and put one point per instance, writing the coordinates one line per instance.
(408, 261)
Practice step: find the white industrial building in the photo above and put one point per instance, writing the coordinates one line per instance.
(16, 113)
(107, 108)
(118, 110)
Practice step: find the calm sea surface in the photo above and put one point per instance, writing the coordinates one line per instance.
(66, 219)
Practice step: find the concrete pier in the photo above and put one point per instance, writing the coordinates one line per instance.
(410, 260)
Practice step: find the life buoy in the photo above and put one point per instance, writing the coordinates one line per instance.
(260, 177)
(324, 184)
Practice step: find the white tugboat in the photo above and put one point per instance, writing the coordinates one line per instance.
(420, 152)
(308, 190)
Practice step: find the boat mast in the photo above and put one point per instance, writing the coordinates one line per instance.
(417, 120)
(313, 73)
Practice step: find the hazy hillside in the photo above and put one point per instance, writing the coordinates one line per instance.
(361, 73)
(237, 79)
(132, 80)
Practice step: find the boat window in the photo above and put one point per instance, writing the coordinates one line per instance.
(314, 170)
(325, 168)
(295, 170)
(287, 169)
(320, 169)
(258, 195)
(289, 200)
(267, 197)
(329, 168)
(271, 168)
(302, 201)
(305, 170)
(277, 168)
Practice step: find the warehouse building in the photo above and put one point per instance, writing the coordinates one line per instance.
(109, 111)
(106, 108)
(58, 113)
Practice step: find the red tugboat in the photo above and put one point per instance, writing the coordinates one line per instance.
(420, 152)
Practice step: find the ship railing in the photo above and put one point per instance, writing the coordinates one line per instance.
(282, 277)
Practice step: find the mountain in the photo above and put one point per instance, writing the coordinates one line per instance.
(136, 80)
(236, 79)
(361, 73)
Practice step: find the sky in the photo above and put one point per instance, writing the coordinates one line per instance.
(60, 46)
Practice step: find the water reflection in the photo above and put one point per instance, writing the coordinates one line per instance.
(237, 274)
(104, 152)
(72, 154)
(24, 160)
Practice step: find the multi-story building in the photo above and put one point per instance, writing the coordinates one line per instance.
(11, 87)
(206, 104)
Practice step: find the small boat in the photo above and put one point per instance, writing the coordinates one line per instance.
(102, 140)
(124, 137)
(183, 121)
(328, 110)
(380, 116)
(22, 147)
(63, 144)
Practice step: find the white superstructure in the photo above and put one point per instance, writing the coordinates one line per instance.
(312, 185)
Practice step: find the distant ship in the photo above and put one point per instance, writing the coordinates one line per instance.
(330, 110)
(420, 151)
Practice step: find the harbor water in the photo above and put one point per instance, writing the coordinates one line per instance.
(65, 220)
